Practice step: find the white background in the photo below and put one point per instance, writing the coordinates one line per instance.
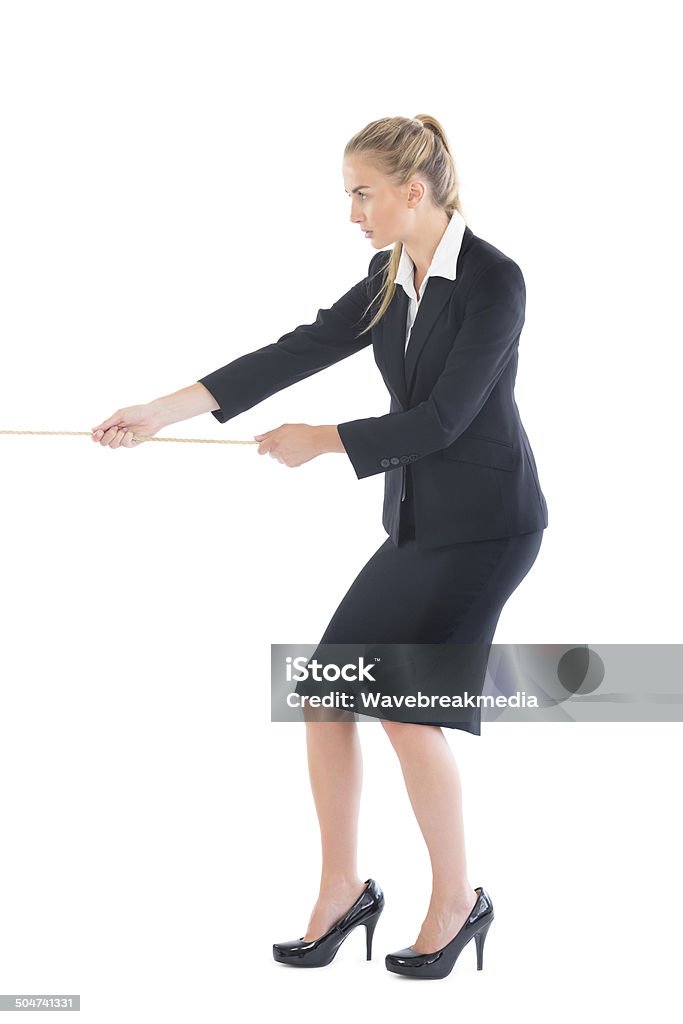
(162, 165)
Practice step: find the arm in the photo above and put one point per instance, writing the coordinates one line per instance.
(309, 348)
(183, 404)
(482, 348)
(117, 430)
(249, 379)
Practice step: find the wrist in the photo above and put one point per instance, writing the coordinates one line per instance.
(162, 409)
(183, 404)
(331, 441)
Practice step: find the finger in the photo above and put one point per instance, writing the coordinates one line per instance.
(259, 437)
(105, 436)
(99, 432)
(111, 421)
(116, 442)
(129, 441)
(108, 435)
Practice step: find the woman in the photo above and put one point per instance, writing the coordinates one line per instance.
(463, 506)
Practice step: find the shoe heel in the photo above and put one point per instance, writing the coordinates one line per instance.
(370, 926)
(479, 942)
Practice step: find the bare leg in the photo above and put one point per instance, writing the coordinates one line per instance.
(335, 765)
(433, 782)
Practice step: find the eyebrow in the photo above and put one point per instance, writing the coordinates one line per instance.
(358, 188)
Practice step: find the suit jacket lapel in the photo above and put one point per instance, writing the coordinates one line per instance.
(401, 363)
(394, 336)
(436, 295)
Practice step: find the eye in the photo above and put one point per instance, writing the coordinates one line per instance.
(362, 194)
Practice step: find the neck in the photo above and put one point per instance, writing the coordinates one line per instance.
(423, 242)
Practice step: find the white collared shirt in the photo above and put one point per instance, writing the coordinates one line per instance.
(443, 265)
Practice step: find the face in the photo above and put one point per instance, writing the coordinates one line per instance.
(377, 205)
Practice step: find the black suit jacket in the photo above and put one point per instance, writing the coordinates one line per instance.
(453, 422)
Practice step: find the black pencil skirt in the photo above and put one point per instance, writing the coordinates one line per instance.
(415, 599)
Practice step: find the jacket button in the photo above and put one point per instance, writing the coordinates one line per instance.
(394, 461)
(413, 457)
(405, 458)
(384, 463)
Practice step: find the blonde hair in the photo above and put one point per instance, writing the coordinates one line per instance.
(400, 148)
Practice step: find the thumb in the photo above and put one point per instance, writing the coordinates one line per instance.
(113, 421)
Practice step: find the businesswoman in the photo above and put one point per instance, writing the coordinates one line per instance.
(463, 508)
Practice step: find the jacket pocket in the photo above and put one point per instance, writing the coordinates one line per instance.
(484, 451)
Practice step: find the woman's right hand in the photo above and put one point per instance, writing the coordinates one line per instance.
(117, 431)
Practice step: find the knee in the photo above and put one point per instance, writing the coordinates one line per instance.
(401, 733)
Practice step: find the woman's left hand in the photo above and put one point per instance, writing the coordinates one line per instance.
(296, 443)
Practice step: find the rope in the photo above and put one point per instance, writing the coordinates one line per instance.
(136, 437)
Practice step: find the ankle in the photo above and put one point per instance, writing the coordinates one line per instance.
(461, 898)
(339, 885)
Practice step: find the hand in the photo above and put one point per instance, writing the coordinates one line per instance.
(117, 431)
(293, 443)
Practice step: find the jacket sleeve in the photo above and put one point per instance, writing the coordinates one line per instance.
(482, 347)
(249, 379)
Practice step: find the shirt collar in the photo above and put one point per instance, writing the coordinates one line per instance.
(444, 260)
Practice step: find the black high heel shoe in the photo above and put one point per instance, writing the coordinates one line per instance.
(320, 952)
(440, 964)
